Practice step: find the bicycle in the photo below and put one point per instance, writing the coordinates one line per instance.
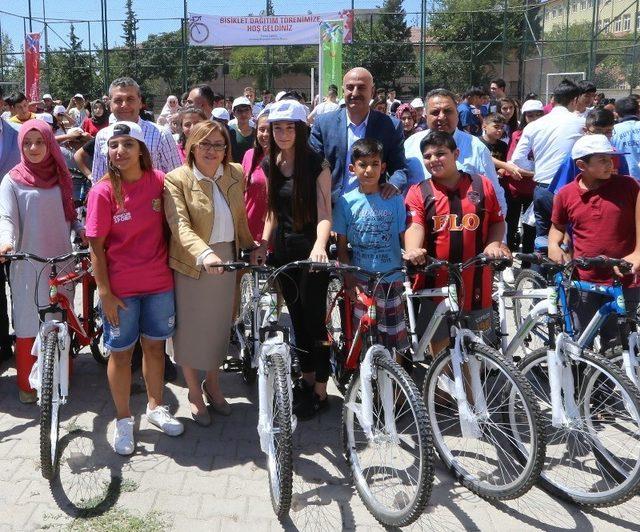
(57, 339)
(591, 407)
(483, 413)
(198, 30)
(386, 436)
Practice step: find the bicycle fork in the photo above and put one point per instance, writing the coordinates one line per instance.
(60, 363)
(564, 410)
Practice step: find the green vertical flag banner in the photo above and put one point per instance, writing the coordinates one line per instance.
(331, 37)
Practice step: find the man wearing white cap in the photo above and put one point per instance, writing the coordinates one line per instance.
(418, 105)
(221, 115)
(49, 104)
(600, 207)
(77, 110)
(242, 130)
(125, 106)
(474, 157)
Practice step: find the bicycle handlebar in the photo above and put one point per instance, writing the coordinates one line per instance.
(481, 259)
(584, 263)
(45, 260)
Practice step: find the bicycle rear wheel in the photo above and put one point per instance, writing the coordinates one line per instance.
(502, 454)
(335, 331)
(49, 409)
(279, 454)
(393, 475)
(593, 460)
(539, 336)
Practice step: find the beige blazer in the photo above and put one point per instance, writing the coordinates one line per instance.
(188, 207)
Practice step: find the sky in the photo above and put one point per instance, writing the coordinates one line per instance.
(172, 10)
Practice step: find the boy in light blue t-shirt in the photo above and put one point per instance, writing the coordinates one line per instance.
(374, 227)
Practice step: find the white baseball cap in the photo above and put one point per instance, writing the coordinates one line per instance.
(78, 95)
(416, 103)
(591, 145)
(220, 113)
(240, 100)
(47, 97)
(59, 110)
(532, 105)
(280, 95)
(125, 129)
(45, 117)
(287, 111)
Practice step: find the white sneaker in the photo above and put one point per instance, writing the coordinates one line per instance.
(123, 442)
(161, 418)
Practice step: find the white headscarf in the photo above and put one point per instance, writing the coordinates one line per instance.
(170, 109)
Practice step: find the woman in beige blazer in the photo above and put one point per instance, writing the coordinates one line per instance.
(204, 206)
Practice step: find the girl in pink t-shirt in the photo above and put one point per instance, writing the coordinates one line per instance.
(255, 195)
(126, 229)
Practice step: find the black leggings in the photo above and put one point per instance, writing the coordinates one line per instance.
(306, 296)
(515, 207)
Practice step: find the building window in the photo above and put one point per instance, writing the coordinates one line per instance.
(560, 11)
(574, 7)
(626, 22)
(583, 4)
(554, 12)
(638, 21)
(605, 24)
(589, 4)
(617, 25)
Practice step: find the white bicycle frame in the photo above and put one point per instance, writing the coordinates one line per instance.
(564, 411)
(468, 414)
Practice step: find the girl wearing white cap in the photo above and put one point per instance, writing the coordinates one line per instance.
(298, 225)
(125, 226)
(77, 110)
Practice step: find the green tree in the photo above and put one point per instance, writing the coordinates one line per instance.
(130, 29)
(468, 37)
(70, 70)
(382, 44)
(160, 59)
(11, 64)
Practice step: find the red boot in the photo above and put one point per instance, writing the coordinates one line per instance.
(24, 362)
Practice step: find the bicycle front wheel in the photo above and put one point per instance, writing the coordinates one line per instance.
(594, 459)
(246, 301)
(539, 336)
(500, 454)
(335, 318)
(49, 409)
(393, 467)
(279, 453)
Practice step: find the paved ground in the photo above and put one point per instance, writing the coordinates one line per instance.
(215, 479)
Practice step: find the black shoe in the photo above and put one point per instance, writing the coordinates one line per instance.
(311, 408)
(6, 352)
(170, 370)
(302, 395)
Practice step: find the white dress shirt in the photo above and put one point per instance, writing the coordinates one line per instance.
(354, 132)
(550, 138)
(222, 230)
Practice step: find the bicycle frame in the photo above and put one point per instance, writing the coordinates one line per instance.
(467, 413)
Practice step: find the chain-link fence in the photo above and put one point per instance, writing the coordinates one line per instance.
(528, 44)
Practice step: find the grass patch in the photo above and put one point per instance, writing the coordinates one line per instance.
(115, 520)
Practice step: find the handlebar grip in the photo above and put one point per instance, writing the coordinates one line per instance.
(535, 258)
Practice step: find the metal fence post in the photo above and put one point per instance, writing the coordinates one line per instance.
(423, 36)
(185, 44)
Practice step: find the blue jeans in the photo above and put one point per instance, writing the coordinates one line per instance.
(542, 207)
(151, 315)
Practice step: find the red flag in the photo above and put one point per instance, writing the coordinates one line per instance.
(32, 66)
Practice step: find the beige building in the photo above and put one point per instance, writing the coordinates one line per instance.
(618, 17)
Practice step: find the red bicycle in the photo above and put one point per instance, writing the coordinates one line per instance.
(58, 339)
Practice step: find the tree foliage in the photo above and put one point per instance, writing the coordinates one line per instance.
(382, 45)
(469, 36)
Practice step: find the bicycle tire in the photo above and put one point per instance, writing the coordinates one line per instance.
(49, 410)
(422, 441)
(98, 350)
(528, 447)
(335, 318)
(596, 365)
(249, 373)
(539, 336)
(280, 458)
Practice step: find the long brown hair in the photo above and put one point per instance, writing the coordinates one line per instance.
(113, 174)
(258, 151)
(304, 185)
(201, 131)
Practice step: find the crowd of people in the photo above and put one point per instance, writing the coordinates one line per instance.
(173, 196)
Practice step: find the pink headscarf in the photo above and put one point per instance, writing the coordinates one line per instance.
(406, 107)
(51, 171)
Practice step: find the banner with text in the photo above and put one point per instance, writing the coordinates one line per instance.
(331, 37)
(32, 66)
(214, 30)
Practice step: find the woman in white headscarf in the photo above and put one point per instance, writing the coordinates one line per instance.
(170, 107)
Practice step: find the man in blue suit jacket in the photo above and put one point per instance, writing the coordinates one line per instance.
(334, 133)
(9, 157)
